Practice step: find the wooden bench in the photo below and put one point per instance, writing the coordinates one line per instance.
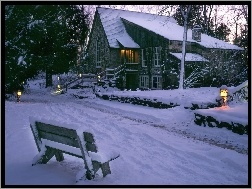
(52, 140)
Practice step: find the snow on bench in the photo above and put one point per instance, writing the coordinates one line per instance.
(52, 140)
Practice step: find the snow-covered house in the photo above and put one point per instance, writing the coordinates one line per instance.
(139, 49)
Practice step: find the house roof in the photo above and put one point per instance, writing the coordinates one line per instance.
(115, 29)
(163, 25)
(190, 57)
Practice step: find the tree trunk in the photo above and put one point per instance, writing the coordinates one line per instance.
(182, 65)
(48, 76)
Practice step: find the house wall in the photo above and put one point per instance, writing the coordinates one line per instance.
(148, 40)
(98, 33)
(115, 58)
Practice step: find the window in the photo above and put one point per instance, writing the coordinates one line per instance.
(131, 56)
(157, 56)
(144, 58)
(156, 82)
(144, 81)
(98, 53)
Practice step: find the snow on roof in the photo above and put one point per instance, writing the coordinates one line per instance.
(163, 25)
(115, 29)
(126, 41)
(190, 57)
(173, 31)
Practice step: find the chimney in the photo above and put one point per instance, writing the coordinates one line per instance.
(196, 33)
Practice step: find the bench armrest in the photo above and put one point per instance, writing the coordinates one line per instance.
(103, 157)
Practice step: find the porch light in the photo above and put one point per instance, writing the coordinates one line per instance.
(99, 78)
(58, 86)
(58, 78)
(80, 75)
(19, 93)
(224, 94)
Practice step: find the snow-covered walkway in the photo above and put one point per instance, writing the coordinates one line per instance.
(157, 146)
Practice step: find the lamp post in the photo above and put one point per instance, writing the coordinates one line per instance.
(18, 95)
(224, 95)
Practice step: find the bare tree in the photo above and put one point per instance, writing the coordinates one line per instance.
(207, 17)
(185, 12)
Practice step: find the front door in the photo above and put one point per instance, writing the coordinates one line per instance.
(131, 81)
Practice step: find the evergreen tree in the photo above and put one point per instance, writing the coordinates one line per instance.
(41, 38)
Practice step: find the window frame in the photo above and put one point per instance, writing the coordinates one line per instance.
(143, 52)
(98, 53)
(157, 56)
(159, 82)
(145, 80)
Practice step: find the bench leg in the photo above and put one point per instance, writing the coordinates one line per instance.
(49, 153)
(59, 155)
(104, 167)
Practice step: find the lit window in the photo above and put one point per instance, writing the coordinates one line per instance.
(98, 53)
(131, 56)
(156, 82)
(144, 81)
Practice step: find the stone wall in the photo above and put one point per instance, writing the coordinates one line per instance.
(210, 121)
(98, 33)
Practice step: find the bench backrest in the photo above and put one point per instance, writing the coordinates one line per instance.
(64, 135)
(55, 139)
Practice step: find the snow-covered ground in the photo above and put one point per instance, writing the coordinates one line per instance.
(156, 146)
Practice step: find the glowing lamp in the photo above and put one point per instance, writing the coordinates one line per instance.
(58, 78)
(58, 86)
(99, 78)
(80, 75)
(18, 95)
(224, 94)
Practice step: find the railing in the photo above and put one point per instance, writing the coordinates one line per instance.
(114, 72)
(81, 79)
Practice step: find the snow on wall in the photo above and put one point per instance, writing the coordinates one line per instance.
(190, 57)
(237, 114)
(239, 87)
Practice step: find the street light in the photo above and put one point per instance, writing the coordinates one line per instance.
(18, 95)
(224, 94)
